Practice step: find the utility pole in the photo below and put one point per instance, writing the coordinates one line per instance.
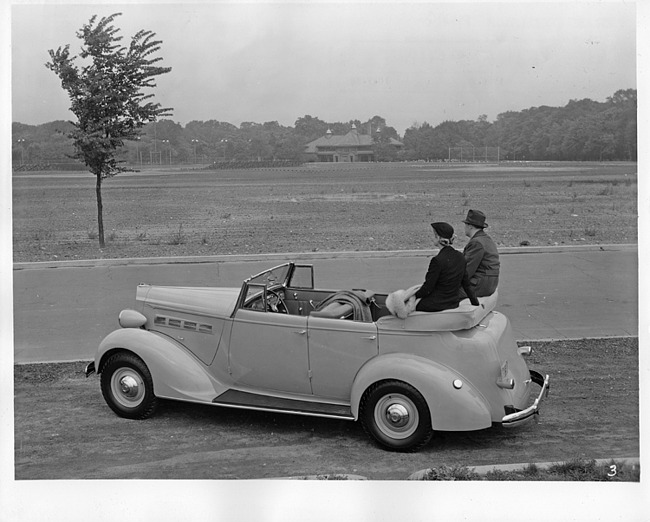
(170, 151)
(195, 142)
(21, 141)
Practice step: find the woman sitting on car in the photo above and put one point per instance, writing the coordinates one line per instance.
(446, 275)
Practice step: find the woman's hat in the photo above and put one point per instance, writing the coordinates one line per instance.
(444, 230)
(475, 218)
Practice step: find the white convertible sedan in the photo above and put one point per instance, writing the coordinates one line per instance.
(278, 344)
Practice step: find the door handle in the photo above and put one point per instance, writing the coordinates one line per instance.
(371, 338)
(300, 332)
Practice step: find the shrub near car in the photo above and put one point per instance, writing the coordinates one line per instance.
(278, 344)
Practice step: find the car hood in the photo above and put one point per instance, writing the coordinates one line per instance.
(218, 302)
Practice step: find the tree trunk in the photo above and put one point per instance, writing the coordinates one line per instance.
(100, 216)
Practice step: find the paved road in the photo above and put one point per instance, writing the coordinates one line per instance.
(62, 310)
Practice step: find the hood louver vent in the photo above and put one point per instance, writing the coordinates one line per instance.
(173, 322)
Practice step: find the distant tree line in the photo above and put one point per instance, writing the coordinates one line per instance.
(582, 130)
(200, 142)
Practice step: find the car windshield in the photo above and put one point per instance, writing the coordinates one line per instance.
(274, 276)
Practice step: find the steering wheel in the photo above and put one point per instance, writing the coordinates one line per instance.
(278, 306)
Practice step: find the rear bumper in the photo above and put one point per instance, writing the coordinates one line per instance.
(524, 416)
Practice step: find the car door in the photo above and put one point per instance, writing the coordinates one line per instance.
(337, 349)
(268, 350)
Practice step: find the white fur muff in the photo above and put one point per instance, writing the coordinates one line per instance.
(402, 302)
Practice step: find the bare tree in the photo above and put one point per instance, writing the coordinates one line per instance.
(106, 95)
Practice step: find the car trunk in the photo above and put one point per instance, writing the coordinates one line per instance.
(493, 341)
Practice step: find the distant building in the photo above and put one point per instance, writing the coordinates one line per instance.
(351, 147)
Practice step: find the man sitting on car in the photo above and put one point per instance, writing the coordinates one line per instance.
(481, 255)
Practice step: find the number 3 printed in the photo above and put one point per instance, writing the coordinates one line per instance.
(612, 471)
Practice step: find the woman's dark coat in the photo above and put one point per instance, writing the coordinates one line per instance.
(440, 290)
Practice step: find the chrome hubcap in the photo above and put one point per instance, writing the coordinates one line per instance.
(127, 387)
(396, 416)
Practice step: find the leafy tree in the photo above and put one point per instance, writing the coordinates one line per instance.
(310, 127)
(377, 124)
(338, 128)
(106, 95)
(288, 147)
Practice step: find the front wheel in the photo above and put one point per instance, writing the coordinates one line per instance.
(127, 386)
(396, 415)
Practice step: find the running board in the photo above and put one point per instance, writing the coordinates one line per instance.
(254, 401)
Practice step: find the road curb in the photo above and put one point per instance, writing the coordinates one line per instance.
(324, 476)
(484, 470)
(305, 256)
(481, 470)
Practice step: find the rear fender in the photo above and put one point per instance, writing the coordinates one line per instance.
(176, 373)
(451, 409)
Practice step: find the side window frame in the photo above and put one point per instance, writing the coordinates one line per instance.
(246, 287)
(298, 275)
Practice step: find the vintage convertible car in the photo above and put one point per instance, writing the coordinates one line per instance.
(278, 344)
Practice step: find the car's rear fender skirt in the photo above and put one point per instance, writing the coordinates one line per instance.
(451, 409)
(176, 373)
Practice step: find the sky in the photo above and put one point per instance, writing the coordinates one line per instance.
(406, 62)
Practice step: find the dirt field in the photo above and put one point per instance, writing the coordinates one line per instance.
(65, 430)
(319, 208)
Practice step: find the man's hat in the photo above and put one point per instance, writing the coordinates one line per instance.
(476, 218)
(444, 230)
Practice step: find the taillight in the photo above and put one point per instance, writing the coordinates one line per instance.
(524, 350)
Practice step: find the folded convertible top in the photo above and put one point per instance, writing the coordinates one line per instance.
(464, 317)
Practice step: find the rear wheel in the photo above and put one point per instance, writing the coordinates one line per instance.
(127, 386)
(396, 415)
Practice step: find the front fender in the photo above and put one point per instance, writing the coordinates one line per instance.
(451, 409)
(176, 373)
